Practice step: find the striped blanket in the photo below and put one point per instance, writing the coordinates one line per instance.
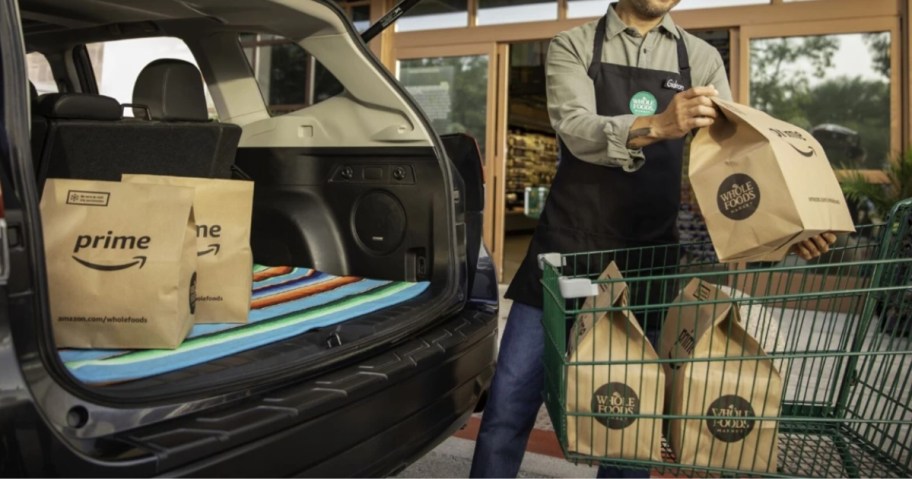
(286, 302)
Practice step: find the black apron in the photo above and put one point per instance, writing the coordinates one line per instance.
(595, 208)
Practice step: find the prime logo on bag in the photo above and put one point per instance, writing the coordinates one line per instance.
(807, 151)
(206, 232)
(109, 241)
(729, 421)
(121, 262)
(613, 402)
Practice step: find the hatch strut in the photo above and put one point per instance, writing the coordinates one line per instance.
(388, 19)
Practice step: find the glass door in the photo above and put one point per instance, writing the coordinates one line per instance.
(456, 86)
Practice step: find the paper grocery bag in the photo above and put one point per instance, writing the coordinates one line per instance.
(728, 389)
(121, 263)
(223, 210)
(763, 185)
(610, 391)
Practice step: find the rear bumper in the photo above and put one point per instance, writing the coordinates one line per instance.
(371, 419)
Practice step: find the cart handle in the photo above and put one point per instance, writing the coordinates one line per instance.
(555, 260)
(570, 288)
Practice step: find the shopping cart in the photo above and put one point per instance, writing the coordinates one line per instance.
(845, 407)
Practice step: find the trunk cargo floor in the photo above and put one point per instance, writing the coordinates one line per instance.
(286, 302)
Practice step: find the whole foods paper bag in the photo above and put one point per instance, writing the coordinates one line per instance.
(613, 391)
(763, 185)
(728, 389)
(121, 261)
(223, 210)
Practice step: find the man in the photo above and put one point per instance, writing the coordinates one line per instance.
(623, 92)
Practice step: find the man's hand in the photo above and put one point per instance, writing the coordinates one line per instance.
(688, 110)
(814, 247)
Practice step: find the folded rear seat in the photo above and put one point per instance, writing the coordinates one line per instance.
(88, 139)
(39, 126)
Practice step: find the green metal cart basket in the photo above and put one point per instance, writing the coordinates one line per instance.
(836, 330)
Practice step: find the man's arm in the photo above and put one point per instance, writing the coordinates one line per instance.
(617, 140)
(690, 108)
(571, 105)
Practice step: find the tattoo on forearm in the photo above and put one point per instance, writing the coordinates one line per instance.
(638, 133)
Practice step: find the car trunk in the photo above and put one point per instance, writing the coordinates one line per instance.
(356, 236)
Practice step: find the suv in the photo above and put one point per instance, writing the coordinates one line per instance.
(354, 183)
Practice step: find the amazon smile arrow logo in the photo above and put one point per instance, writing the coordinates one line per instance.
(787, 135)
(807, 154)
(213, 248)
(140, 260)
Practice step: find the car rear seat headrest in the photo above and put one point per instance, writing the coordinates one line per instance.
(79, 106)
(33, 92)
(173, 91)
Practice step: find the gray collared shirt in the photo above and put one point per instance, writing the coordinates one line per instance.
(571, 97)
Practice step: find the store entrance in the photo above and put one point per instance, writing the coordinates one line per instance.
(531, 153)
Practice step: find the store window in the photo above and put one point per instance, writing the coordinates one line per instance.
(838, 87)
(720, 39)
(289, 78)
(531, 141)
(117, 65)
(493, 12)
(358, 12)
(596, 8)
(435, 15)
(452, 91)
(360, 16)
(40, 74)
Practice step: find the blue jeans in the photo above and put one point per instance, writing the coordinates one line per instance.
(515, 398)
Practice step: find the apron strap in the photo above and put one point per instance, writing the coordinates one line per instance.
(683, 60)
(597, 47)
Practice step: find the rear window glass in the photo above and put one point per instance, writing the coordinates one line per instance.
(40, 74)
(117, 65)
(288, 76)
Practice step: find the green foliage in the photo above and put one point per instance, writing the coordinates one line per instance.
(782, 71)
(899, 186)
(776, 86)
(858, 104)
(879, 45)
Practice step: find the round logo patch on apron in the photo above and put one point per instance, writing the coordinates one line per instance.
(643, 103)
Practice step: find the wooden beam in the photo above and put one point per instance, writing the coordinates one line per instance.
(383, 45)
(906, 75)
(795, 13)
(734, 62)
(498, 144)
(472, 6)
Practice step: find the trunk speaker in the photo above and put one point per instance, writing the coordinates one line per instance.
(378, 221)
